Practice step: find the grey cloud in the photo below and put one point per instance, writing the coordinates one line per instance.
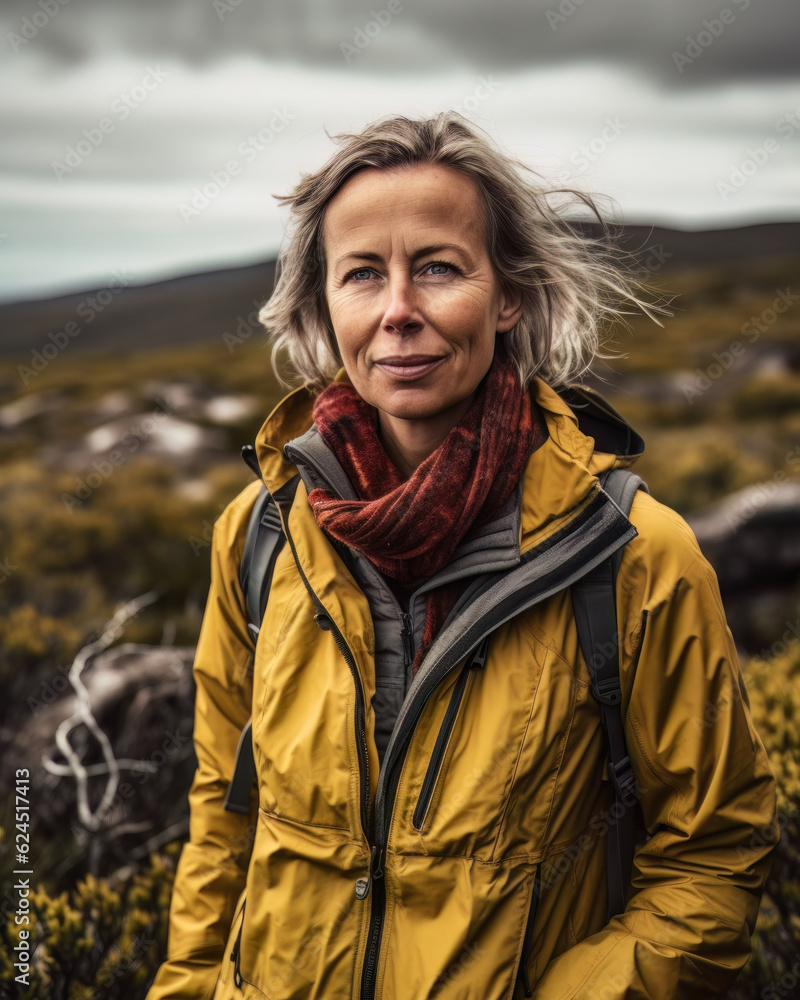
(759, 41)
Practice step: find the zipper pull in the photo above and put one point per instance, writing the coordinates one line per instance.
(237, 944)
(479, 659)
(376, 866)
(408, 639)
(375, 871)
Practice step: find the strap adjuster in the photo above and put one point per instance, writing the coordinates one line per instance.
(608, 691)
(623, 780)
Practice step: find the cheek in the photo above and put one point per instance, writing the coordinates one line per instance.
(472, 329)
(348, 308)
(468, 314)
(342, 320)
(334, 306)
(349, 331)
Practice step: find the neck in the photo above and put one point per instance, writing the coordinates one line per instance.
(409, 442)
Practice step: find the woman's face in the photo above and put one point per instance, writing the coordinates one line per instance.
(412, 296)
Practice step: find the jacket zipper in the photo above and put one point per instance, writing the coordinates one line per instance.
(236, 952)
(522, 973)
(376, 875)
(375, 923)
(443, 736)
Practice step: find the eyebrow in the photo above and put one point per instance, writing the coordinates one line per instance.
(422, 252)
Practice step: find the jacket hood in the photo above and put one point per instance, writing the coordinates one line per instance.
(586, 436)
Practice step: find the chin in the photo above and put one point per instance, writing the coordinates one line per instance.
(412, 410)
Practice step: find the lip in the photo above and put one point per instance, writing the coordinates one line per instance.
(408, 367)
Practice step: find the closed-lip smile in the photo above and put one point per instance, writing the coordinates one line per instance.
(408, 366)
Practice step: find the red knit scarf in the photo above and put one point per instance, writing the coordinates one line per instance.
(410, 528)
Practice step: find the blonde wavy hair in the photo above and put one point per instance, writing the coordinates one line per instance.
(574, 287)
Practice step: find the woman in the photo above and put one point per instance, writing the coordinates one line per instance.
(438, 497)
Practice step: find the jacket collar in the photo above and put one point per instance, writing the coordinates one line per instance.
(559, 476)
(494, 546)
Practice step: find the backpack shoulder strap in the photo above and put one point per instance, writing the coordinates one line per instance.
(594, 605)
(263, 542)
(622, 486)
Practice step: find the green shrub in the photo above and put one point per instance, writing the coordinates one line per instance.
(99, 939)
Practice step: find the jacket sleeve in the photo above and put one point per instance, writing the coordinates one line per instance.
(213, 864)
(706, 790)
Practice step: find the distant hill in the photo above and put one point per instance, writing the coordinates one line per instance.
(201, 308)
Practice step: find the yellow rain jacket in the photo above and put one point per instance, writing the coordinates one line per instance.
(470, 862)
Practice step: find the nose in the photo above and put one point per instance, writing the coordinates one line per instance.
(401, 314)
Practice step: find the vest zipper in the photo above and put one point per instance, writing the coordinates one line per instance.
(236, 952)
(522, 973)
(443, 737)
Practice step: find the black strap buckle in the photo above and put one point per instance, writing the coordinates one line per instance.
(608, 691)
(623, 780)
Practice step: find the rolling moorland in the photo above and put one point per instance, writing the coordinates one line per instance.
(119, 449)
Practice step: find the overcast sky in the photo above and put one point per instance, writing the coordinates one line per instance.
(147, 138)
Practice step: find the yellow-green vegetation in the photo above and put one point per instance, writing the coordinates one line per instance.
(715, 392)
(72, 566)
(712, 309)
(70, 560)
(98, 939)
(774, 690)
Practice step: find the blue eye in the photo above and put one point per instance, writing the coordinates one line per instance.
(445, 268)
(363, 271)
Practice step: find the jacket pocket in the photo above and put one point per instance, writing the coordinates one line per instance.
(442, 739)
(522, 971)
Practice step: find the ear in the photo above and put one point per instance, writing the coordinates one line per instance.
(510, 310)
